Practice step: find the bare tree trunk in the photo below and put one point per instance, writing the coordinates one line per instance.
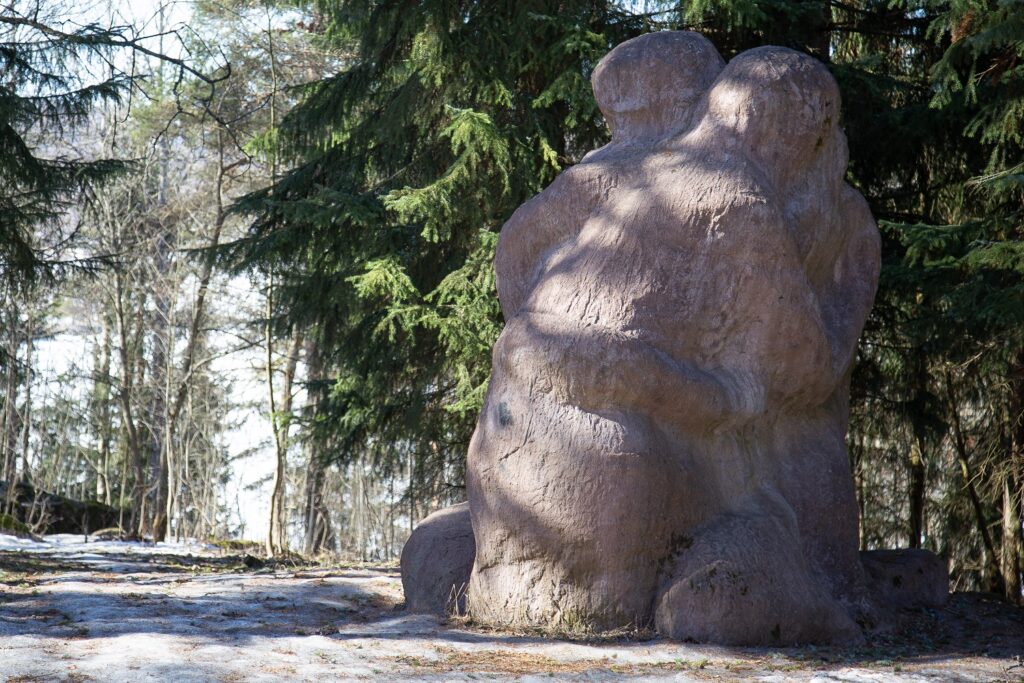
(857, 468)
(409, 492)
(358, 513)
(190, 362)
(917, 485)
(319, 532)
(991, 558)
(163, 345)
(9, 463)
(26, 411)
(11, 390)
(316, 516)
(916, 464)
(1019, 541)
(1013, 483)
(128, 361)
(101, 394)
(1010, 547)
(281, 422)
(272, 403)
(274, 534)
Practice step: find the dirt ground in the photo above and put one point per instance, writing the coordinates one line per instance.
(113, 611)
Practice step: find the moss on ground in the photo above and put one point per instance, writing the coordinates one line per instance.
(238, 546)
(10, 525)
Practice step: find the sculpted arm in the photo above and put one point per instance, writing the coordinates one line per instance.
(760, 329)
(604, 371)
(815, 327)
(808, 331)
(849, 293)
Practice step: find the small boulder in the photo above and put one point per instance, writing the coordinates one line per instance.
(253, 562)
(437, 561)
(911, 577)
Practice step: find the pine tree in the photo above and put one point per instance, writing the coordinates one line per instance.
(45, 92)
(405, 163)
(55, 74)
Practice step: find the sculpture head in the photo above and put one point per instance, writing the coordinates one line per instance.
(784, 108)
(647, 87)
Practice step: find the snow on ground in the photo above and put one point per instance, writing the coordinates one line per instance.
(74, 545)
(115, 611)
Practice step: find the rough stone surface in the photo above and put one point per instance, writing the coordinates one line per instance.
(663, 438)
(906, 578)
(436, 562)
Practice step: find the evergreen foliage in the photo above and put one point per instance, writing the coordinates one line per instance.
(405, 163)
(47, 90)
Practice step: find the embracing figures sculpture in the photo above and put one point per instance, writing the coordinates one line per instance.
(663, 438)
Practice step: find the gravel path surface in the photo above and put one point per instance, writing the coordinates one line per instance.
(116, 611)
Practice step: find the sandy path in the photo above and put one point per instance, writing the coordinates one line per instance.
(128, 612)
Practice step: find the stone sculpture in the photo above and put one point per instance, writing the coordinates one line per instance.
(663, 438)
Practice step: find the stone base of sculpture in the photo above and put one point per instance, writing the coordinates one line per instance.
(761, 597)
(663, 438)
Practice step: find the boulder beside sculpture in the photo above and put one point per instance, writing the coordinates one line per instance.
(663, 438)
(436, 562)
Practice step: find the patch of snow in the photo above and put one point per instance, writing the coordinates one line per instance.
(123, 614)
(8, 542)
(82, 547)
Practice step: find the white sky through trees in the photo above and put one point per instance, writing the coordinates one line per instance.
(70, 351)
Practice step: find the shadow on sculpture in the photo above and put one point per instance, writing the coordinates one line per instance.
(663, 438)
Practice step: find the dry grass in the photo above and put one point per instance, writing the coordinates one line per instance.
(574, 634)
(524, 662)
(501, 662)
(520, 663)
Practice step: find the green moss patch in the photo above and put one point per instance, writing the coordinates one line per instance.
(10, 525)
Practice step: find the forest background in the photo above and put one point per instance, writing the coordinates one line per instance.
(247, 232)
